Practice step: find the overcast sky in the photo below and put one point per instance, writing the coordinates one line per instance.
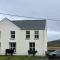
(45, 9)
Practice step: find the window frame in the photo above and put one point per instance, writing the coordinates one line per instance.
(27, 34)
(36, 34)
(32, 46)
(12, 35)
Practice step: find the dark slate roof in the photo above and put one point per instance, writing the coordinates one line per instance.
(30, 24)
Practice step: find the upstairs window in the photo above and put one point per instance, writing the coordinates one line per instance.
(12, 34)
(36, 34)
(27, 34)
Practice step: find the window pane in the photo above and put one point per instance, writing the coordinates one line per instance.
(12, 32)
(14, 44)
(27, 36)
(10, 44)
(30, 45)
(12, 36)
(27, 32)
(33, 44)
(36, 36)
(33, 48)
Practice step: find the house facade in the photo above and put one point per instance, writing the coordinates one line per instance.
(23, 35)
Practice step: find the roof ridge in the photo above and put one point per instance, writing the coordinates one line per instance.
(28, 20)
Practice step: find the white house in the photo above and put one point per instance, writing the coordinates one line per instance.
(23, 35)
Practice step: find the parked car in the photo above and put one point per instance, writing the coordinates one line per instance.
(54, 53)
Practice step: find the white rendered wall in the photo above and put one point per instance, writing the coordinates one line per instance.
(23, 43)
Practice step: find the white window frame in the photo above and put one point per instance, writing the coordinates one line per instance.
(12, 35)
(36, 36)
(27, 34)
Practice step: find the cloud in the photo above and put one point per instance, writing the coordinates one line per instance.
(53, 32)
(53, 35)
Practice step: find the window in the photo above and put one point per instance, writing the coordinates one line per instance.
(32, 46)
(27, 34)
(12, 45)
(36, 34)
(12, 34)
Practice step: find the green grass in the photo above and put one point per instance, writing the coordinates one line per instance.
(21, 58)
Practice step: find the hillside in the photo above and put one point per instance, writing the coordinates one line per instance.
(55, 43)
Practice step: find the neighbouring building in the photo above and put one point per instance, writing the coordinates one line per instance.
(23, 35)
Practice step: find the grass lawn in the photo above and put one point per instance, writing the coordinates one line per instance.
(21, 58)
